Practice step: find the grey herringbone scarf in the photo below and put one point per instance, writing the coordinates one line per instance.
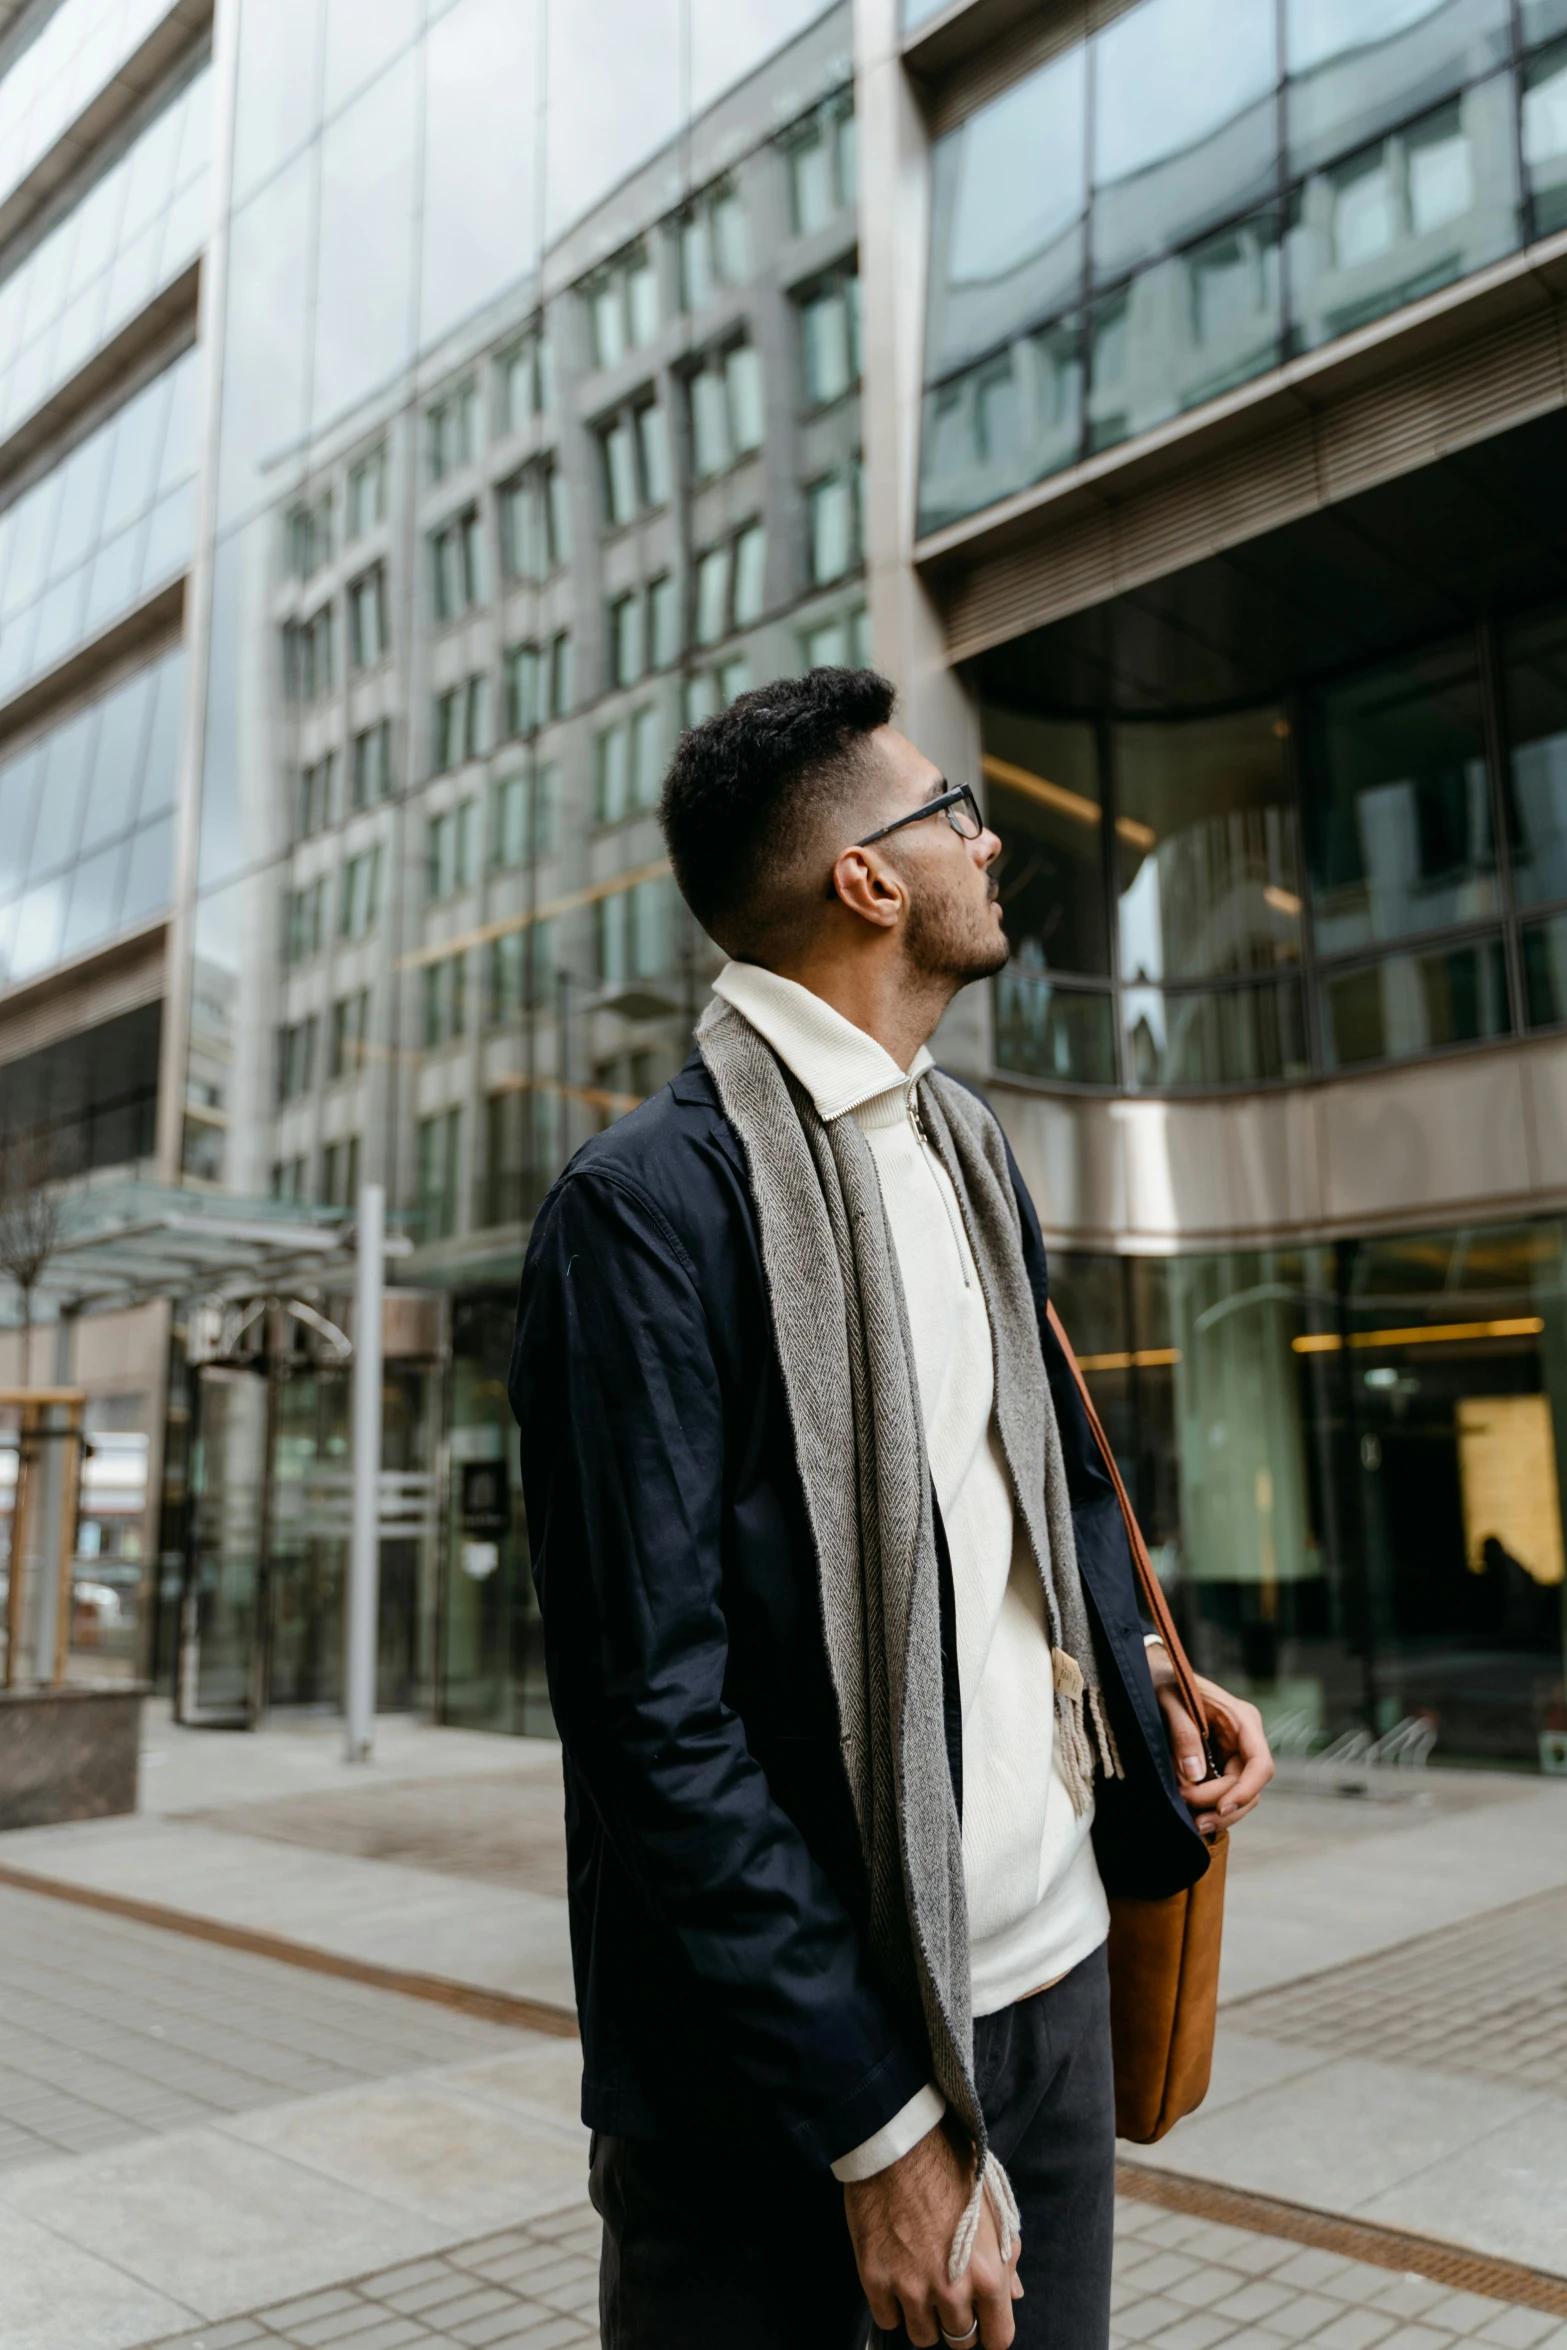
(842, 1335)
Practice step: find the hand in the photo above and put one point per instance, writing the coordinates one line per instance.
(902, 2222)
(1238, 1740)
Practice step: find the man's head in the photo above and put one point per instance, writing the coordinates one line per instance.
(765, 809)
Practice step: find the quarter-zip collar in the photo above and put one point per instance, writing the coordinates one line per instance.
(839, 1065)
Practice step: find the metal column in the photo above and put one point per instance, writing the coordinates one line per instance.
(364, 1557)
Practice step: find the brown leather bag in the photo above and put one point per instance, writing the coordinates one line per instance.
(1164, 1955)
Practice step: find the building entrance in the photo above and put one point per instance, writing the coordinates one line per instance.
(261, 1619)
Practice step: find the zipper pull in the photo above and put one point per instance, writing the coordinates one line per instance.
(915, 1120)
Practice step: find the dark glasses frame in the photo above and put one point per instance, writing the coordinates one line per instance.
(942, 805)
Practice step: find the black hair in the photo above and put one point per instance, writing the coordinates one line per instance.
(747, 789)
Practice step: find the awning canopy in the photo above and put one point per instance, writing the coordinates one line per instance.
(123, 1244)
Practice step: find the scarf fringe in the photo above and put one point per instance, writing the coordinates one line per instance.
(1084, 1736)
(991, 2179)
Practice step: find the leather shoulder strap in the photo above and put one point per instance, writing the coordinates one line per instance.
(1148, 1582)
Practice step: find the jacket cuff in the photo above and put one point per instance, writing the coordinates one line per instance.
(894, 2139)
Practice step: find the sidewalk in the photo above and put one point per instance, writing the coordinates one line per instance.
(441, 1862)
(220, 2138)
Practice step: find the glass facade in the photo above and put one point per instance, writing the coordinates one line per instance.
(142, 222)
(479, 552)
(87, 823)
(1348, 1461)
(1202, 189)
(1350, 874)
(102, 531)
(74, 51)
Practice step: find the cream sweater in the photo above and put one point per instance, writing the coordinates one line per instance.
(1035, 1903)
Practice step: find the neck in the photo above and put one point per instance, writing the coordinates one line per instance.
(878, 993)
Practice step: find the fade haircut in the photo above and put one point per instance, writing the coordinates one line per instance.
(749, 801)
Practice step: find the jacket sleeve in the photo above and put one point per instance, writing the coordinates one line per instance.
(619, 1400)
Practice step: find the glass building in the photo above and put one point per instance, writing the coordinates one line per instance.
(1227, 420)
(407, 425)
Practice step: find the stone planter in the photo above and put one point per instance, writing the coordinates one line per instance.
(68, 1754)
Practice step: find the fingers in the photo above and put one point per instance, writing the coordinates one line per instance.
(1185, 1739)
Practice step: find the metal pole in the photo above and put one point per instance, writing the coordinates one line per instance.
(364, 1556)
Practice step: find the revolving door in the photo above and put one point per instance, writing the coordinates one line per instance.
(262, 1611)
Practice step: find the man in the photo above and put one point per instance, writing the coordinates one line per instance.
(858, 1718)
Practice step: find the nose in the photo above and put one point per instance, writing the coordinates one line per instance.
(987, 848)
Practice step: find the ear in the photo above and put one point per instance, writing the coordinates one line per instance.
(866, 885)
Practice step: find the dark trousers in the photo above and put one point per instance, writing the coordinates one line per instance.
(718, 2250)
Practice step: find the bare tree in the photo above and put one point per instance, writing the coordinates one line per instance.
(32, 1205)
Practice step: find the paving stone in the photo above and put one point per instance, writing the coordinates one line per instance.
(1519, 2329)
(1354, 2329)
(1254, 2302)
(1199, 2329)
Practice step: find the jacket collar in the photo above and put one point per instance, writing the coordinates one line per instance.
(839, 1065)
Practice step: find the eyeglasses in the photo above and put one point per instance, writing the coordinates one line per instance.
(959, 806)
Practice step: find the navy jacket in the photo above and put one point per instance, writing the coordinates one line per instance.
(717, 1893)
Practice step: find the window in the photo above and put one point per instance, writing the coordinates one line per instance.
(725, 397)
(653, 452)
(730, 581)
(622, 302)
(340, 1173)
(630, 764)
(537, 683)
(713, 573)
(626, 639)
(1401, 837)
(614, 772)
(634, 459)
(304, 921)
(527, 383)
(714, 249)
(844, 643)
(455, 430)
(533, 521)
(309, 528)
(647, 755)
(367, 636)
(709, 690)
(349, 1035)
(830, 339)
(444, 998)
(663, 623)
(509, 804)
(461, 726)
(359, 901)
(367, 493)
(518, 970)
(618, 444)
(313, 807)
(373, 764)
(307, 656)
(560, 675)
(457, 564)
(440, 1141)
(288, 1179)
(296, 1062)
(522, 675)
(635, 933)
(448, 850)
(833, 506)
(821, 159)
(750, 574)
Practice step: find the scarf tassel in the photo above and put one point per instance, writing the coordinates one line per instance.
(989, 2179)
(1083, 1730)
